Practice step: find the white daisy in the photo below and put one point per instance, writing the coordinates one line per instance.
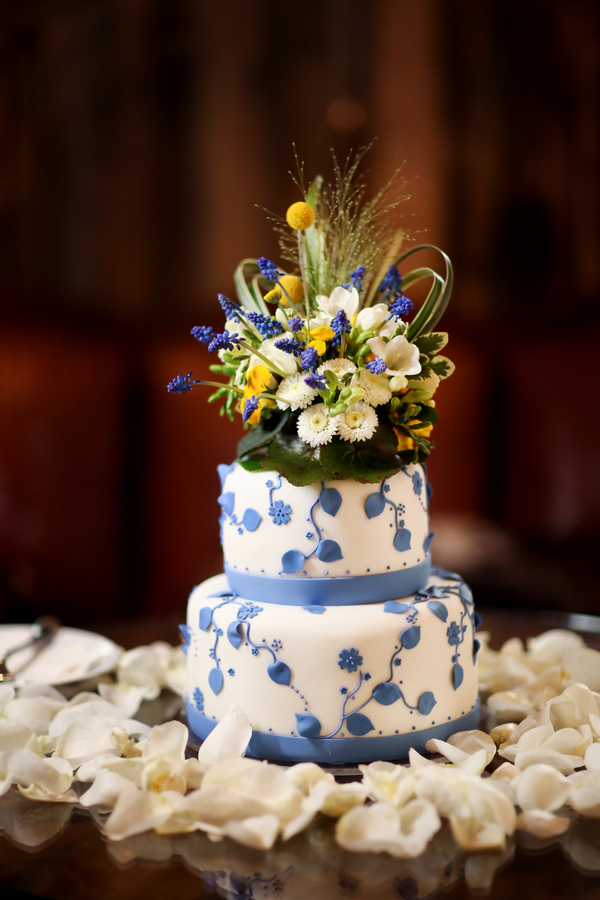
(358, 423)
(376, 387)
(339, 366)
(293, 393)
(315, 427)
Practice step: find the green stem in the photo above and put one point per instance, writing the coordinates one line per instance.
(302, 261)
(227, 387)
(267, 362)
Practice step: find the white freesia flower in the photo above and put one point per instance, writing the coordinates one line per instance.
(376, 387)
(358, 423)
(293, 393)
(338, 366)
(400, 356)
(315, 427)
(286, 362)
(372, 318)
(327, 307)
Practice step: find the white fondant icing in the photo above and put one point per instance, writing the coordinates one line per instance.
(310, 645)
(367, 545)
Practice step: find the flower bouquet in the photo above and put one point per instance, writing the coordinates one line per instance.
(329, 375)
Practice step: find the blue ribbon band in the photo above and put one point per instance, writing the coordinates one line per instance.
(337, 751)
(344, 591)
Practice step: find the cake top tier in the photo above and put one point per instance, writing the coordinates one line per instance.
(329, 368)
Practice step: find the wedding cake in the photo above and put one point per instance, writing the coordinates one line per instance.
(329, 626)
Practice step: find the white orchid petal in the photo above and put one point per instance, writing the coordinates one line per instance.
(35, 712)
(88, 737)
(137, 811)
(471, 742)
(559, 761)
(304, 776)
(259, 832)
(127, 697)
(169, 739)
(35, 792)
(163, 773)
(23, 767)
(402, 833)
(542, 824)
(541, 787)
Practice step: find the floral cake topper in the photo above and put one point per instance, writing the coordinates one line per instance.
(330, 375)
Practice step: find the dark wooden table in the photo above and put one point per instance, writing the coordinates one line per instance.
(76, 862)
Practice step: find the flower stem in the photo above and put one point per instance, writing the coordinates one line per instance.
(267, 362)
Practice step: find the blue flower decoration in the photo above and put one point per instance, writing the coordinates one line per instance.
(280, 512)
(367, 676)
(276, 645)
(417, 483)
(309, 535)
(387, 488)
(230, 672)
(199, 700)
(240, 530)
(350, 659)
(453, 632)
(269, 483)
(255, 651)
(343, 690)
(397, 661)
(248, 611)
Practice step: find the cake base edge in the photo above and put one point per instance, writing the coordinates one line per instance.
(337, 751)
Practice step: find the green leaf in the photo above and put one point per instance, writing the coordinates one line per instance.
(295, 460)
(442, 366)
(432, 343)
(248, 267)
(364, 461)
(428, 415)
(252, 463)
(439, 295)
(262, 433)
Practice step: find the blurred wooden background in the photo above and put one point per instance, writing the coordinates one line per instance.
(136, 139)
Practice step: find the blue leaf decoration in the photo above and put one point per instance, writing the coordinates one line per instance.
(315, 608)
(427, 541)
(251, 519)
(439, 609)
(280, 673)
(329, 551)
(394, 606)
(227, 502)
(386, 693)
(205, 618)
(457, 675)
(374, 505)
(292, 561)
(308, 726)
(215, 680)
(465, 593)
(402, 539)
(235, 633)
(426, 702)
(477, 620)
(224, 471)
(186, 634)
(357, 724)
(330, 500)
(410, 637)
(476, 649)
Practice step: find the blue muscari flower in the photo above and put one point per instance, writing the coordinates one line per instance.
(266, 326)
(180, 385)
(232, 310)
(357, 277)
(295, 324)
(268, 269)
(391, 284)
(309, 359)
(350, 659)
(453, 632)
(289, 345)
(250, 406)
(400, 307)
(341, 325)
(377, 366)
(224, 341)
(280, 513)
(199, 699)
(202, 333)
(316, 382)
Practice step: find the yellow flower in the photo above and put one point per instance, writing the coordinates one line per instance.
(257, 380)
(322, 333)
(423, 431)
(294, 287)
(275, 296)
(300, 216)
(319, 346)
(404, 441)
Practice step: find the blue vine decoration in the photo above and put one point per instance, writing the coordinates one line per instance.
(250, 520)
(327, 551)
(280, 512)
(375, 505)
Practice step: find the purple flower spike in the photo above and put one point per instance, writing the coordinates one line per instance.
(377, 366)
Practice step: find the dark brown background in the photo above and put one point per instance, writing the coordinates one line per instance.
(136, 137)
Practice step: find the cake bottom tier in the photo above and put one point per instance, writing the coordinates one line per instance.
(339, 684)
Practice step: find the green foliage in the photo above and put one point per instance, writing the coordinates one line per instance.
(432, 343)
(364, 461)
(264, 432)
(294, 459)
(442, 366)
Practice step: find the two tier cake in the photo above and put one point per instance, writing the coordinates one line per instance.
(330, 627)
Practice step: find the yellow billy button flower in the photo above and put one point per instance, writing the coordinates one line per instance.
(293, 286)
(300, 216)
(404, 441)
(257, 380)
(320, 334)
(275, 296)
